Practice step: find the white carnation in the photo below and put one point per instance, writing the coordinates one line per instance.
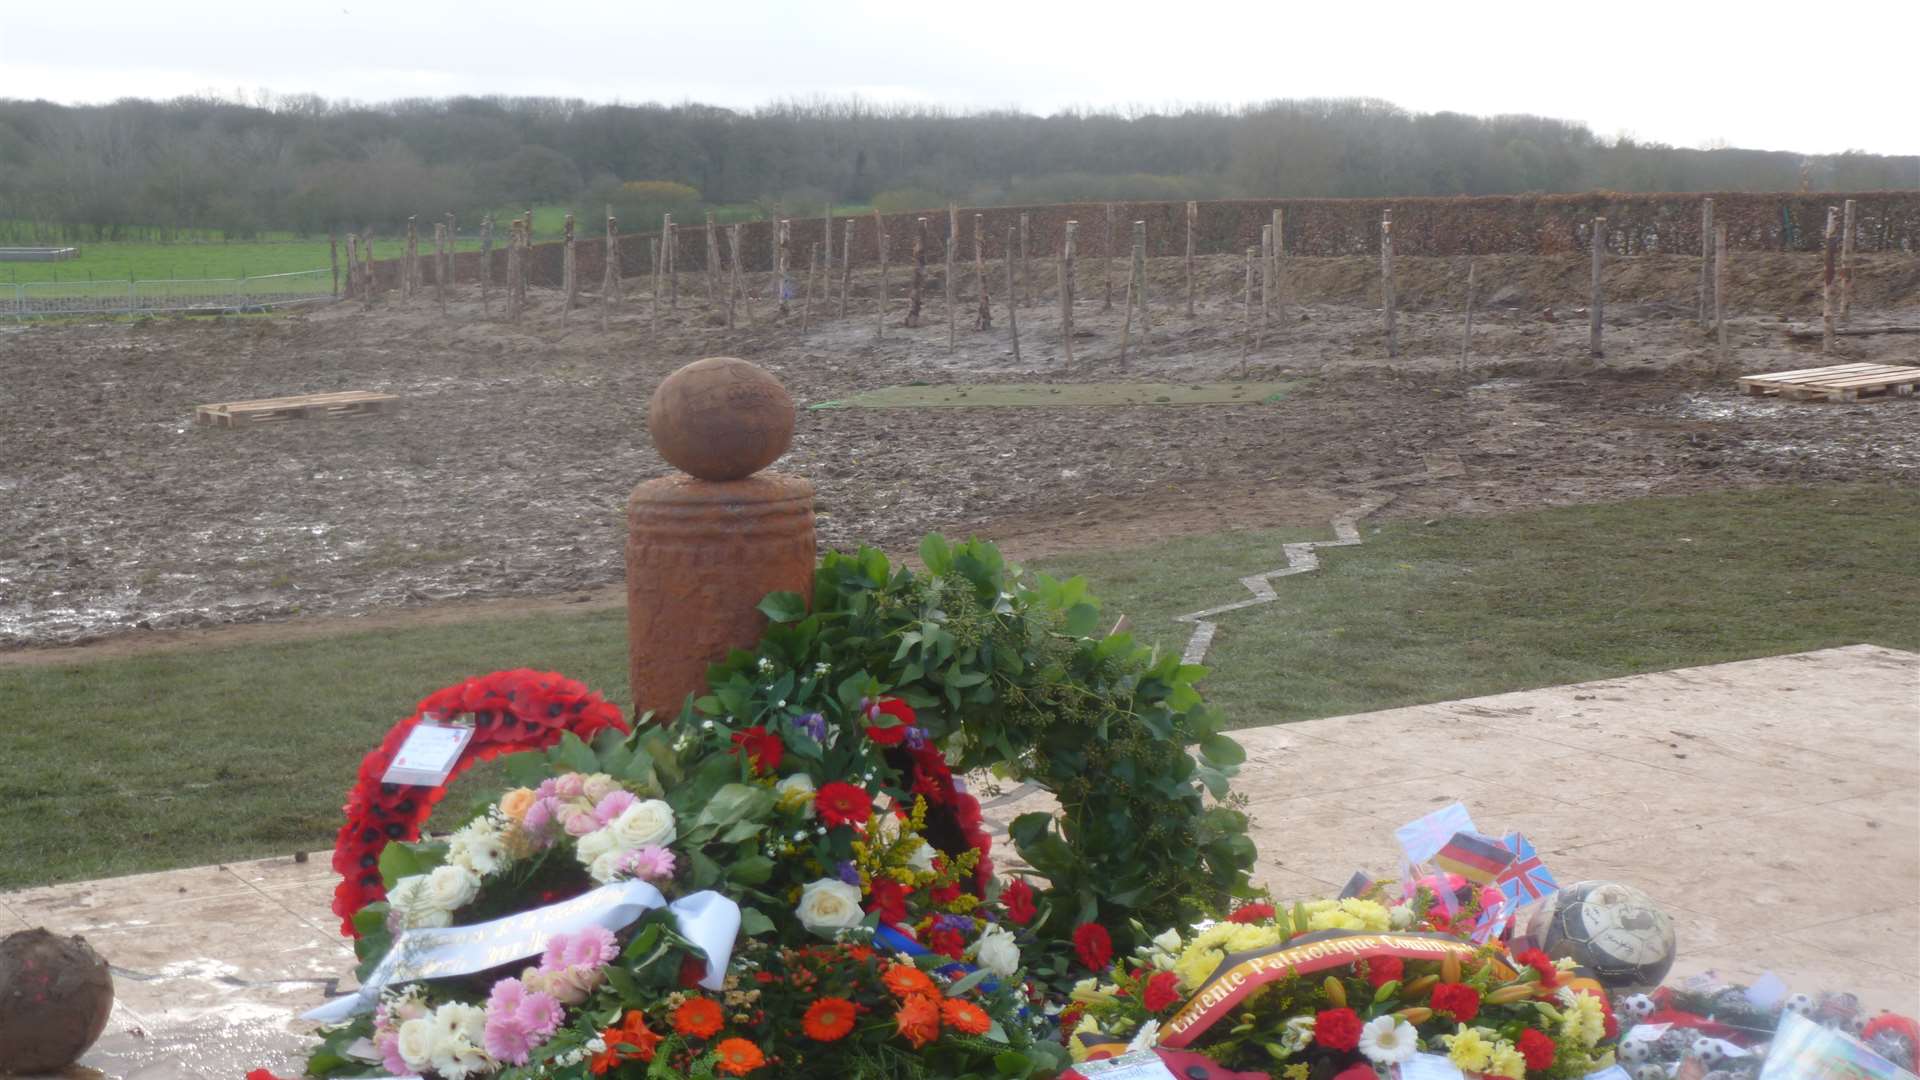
(829, 904)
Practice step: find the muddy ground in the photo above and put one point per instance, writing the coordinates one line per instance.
(504, 472)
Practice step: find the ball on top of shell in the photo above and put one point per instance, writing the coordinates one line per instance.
(721, 418)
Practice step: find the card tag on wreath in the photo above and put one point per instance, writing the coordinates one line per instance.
(1139, 1065)
(428, 755)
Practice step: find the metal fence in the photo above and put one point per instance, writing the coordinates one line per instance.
(212, 295)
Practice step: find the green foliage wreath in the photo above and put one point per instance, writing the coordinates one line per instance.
(1011, 673)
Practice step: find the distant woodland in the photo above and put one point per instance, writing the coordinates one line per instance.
(194, 166)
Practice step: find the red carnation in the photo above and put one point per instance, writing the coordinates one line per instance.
(1542, 963)
(1537, 1048)
(901, 712)
(1251, 913)
(1337, 1029)
(1459, 999)
(1382, 970)
(1361, 1071)
(947, 943)
(889, 899)
(1093, 944)
(762, 748)
(1162, 991)
(841, 803)
(1017, 900)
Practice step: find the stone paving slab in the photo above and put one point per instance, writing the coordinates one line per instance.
(1772, 806)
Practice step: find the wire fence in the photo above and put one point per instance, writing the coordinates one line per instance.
(211, 295)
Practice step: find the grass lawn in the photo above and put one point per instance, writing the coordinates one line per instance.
(153, 261)
(183, 758)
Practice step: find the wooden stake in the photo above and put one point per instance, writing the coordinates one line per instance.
(733, 279)
(610, 282)
(1829, 248)
(919, 271)
(1246, 333)
(1720, 286)
(783, 244)
(880, 295)
(1596, 302)
(1386, 280)
(367, 277)
(953, 242)
(353, 264)
(670, 254)
(1283, 295)
(526, 256)
(1846, 263)
(514, 298)
(983, 319)
(713, 262)
(806, 307)
(1066, 294)
(410, 262)
(440, 263)
(1706, 262)
(1466, 339)
(486, 263)
(569, 278)
(1266, 284)
(774, 270)
(1133, 289)
(1106, 262)
(1026, 260)
(453, 259)
(846, 265)
(333, 260)
(1193, 218)
(656, 258)
(826, 251)
(1013, 301)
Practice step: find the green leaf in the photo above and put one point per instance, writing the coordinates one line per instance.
(967, 982)
(399, 860)
(936, 553)
(1082, 620)
(753, 923)
(735, 802)
(752, 870)
(574, 754)
(1221, 750)
(784, 607)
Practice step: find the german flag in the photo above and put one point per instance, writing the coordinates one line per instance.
(1477, 858)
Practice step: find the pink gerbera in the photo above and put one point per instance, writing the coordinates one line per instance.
(589, 947)
(650, 863)
(519, 1020)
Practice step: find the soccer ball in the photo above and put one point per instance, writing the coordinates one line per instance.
(1650, 1072)
(1637, 1006)
(1613, 930)
(1798, 1003)
(1708, 1052)
(1636, 1051)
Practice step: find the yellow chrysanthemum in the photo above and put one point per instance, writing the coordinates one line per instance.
(1074, 1046)
(1584, 1022)
(1506, 1061)
(1468, 1050)
(1249, 938)
(1296, 1072)
(1195, 964)
(1333, 920)
(1373, 917)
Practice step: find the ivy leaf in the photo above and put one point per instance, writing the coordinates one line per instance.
(784, 607)
(752, 870)
(735, 802)
(575, 755)
(753, 923)
(1221, 750)
(1082, 620)
(936, 553)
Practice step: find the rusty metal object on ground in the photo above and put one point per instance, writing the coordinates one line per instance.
(55, 996)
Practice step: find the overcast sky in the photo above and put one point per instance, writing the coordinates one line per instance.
(1681, 72)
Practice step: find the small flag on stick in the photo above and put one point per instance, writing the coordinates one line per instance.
(1526, 878)
(1477, 858)
(1423, 837)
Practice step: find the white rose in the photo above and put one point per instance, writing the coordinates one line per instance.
(599, 786)
(795, 792)
(603, 867)
(649, 821)
(416, 1044)
(450, 888)
(596, 844)
(996, 951)
(829, 904)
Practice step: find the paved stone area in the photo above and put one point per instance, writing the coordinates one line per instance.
(1773, 806)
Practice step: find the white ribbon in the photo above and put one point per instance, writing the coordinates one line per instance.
(708, 919)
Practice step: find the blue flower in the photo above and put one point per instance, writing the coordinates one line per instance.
(917, 738)
(848, 872)
(815, 725)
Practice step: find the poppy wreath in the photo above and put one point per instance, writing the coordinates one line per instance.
(511, 711)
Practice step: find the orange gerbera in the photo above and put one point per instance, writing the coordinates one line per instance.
(698, 1016)
(738, 1057)
(634, 1032)
(905, 980)
(828, 1019)
(919, 1019)
(965, 1017)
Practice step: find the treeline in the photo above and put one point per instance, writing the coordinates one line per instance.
(196, 165)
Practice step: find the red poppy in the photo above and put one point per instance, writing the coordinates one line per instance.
(901, 713)
(841, 803)
(1459, 999)
(1163, 990)
(1337, 1029)
(1251, 913)
(762, 748)
(1093, 945)
(1537, 1048)
(1017, 900)
(1382, 970)
(888, 898)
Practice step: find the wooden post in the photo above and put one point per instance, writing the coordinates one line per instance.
(1140, 280)
(806, 307)
(440, 263)
(880, 295)
(569, 276)
(1026, 260)
(410, 262)
(367, 277)
(826, 251)
(1596, 302)
(513, 270)
(656, 258)
(1266, 284)
(670, 254)
(774, 270)
(1720, 285)
(1706, 262)
(453, 260)
(733, 279)
(1246, 334)
(782, 244)
(1846, 263)
(846, 265)
(1133, 289)
(1106, 262)
(1013, 301)
(333, 260)
(1829, 247)
(983, 319)
(1466, 339)
(1066, 294)
(526, 256)
(713, 262)
(1386, 280)
(1193, 219)
(953, 241)
(919, 271)
(353, 264)
(1281, 297)
(486, 263)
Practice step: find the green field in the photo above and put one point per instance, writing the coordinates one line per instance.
(195, 756)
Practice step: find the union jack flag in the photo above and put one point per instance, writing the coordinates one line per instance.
(1526, 878)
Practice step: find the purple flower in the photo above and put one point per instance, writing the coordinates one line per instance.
(849, 873)
(954, 922)
(815, 725)
(917, 738)
(611, 806)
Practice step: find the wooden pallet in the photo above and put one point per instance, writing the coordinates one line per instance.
(1841, 382)
(302, 407)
